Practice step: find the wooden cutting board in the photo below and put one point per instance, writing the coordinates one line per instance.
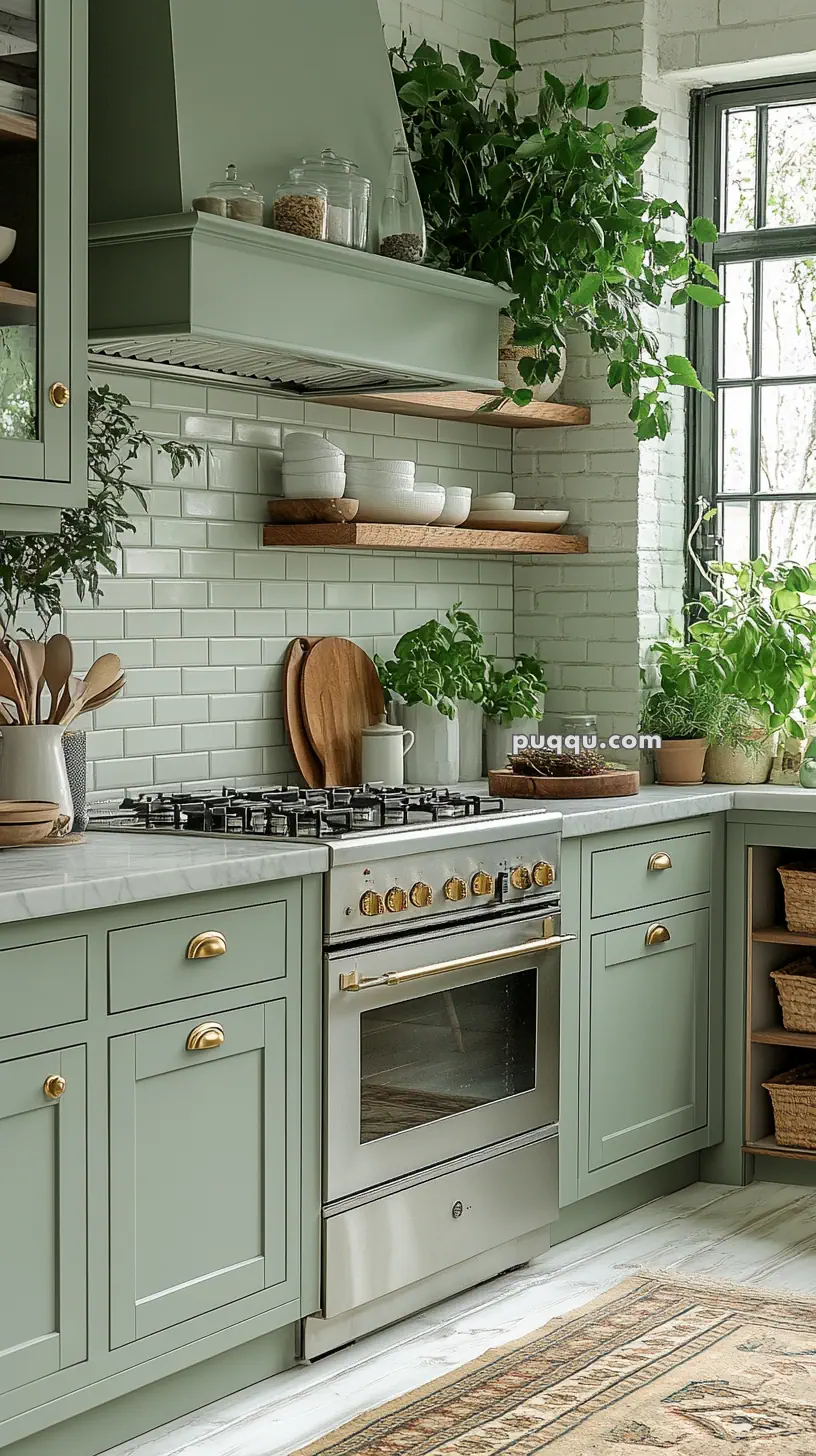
(340, 695)
(305, 756)
(615, 783)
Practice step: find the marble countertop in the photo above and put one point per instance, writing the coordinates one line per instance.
(122, 869)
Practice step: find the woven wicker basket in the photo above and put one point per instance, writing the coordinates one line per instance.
(793, 1095)
(796, 989)
(799, 884)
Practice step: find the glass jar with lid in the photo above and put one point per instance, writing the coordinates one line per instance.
(301, 207)
(348, 196)
(402, 222)
(232, 198)
(579, 725)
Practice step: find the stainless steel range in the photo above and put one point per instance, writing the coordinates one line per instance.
(441, 1006)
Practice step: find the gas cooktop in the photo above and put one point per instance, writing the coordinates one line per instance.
(292, 813)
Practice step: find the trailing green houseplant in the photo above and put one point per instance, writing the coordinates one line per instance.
(552, 206)
(33, 568)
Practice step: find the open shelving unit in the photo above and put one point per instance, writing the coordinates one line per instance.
(769, 1047)
(466, 406)
(17, 306)
(370, 537)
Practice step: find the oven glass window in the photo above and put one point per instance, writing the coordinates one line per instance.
(450, 1052)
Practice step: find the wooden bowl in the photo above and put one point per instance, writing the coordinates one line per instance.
(13, 836)
(27, 811)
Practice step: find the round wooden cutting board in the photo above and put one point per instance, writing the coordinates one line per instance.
(340, 695)
(615, 783)
(305, 756)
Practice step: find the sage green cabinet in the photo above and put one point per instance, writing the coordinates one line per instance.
(646, 1072)
(43, 1225)
(43, 305)
(203, 1196)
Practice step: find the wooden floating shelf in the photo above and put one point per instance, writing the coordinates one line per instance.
(17, 307)
(17, 126)
(424, 538)
(464, 405)
(769, 1148)
(776, 935)
(777, 1036)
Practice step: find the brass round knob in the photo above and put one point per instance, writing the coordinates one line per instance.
(455, 889)
(482, 884)
(396, 900)
(59, 394)
(371, 903)
(54, 1086)
(206, 1037)
(543, 873)
(421, 895)
(520, 878)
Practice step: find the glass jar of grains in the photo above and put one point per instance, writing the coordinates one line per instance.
(337, 175)
(232, 198)
(301, 208)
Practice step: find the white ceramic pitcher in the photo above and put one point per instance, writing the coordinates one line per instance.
(32, 766)
(384, 748)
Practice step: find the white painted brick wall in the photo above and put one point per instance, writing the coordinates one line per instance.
(452, 24)
(720, 40)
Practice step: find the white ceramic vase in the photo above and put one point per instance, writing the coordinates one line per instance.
(499, 738)
(471, 734)
(32, 766)
(434, 758)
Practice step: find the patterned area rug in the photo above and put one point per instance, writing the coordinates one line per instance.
(655, 1365)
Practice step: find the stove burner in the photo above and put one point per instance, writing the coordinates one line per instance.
(293, 813)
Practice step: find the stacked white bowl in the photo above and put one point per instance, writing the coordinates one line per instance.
(313, 468)
(385, 490)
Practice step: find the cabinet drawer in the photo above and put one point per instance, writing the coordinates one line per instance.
(149, 964)
(637, 875)
(393, 1241)
(42, 985)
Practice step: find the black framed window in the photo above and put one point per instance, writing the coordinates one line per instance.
(753, 452)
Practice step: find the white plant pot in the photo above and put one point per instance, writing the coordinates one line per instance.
(509, 355)
(738, 765)
(434, 758)
(32, 766)
(499, 738)
(471, 740)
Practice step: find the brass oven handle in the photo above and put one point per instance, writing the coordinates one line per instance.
(660, 861)
(206, 1037)
(209, 943)
(657, 935)
(353, 981)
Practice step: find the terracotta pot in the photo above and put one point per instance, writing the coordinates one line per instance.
(726, 765)
(680, 760)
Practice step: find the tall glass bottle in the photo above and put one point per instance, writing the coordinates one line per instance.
(402, 223)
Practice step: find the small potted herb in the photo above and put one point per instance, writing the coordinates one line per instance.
(683, 711)
(513, 704)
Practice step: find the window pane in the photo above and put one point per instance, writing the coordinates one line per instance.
(740, 170)
(737, 321)
(735, 440)
(791, 165)
(789, 316)
(20, 234)
(787, 443)
(787, 530)
(736, 531)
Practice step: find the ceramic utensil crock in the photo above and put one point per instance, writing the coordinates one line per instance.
(384, 748)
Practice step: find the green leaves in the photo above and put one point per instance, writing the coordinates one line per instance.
(703, 230)
(632, 259)
(708, 297)
(578, 98)
(583, 295)
(556, 88)
(505, 58)
(682, 372)
(598, 96)
(639, 116)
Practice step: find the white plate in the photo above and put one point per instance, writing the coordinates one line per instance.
(517, 520)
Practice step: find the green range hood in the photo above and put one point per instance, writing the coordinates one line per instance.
(180, 88)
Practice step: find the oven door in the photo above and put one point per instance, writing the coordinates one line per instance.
(438, 1046)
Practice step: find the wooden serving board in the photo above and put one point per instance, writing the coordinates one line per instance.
(340, 695)
(321, 512)
(615, 783)
(305, 756)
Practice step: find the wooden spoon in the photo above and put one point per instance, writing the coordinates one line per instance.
(32, 661)
(102, 673)
(59, 664)
(99, 699)
(7, 653)
(10, 688)
(77, 690)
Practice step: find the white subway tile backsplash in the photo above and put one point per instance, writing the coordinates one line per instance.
(195, 736)
(182, 652)
(207, 680)
(189, 709)
(235, 651)
(232, 467)
(179, 533)
(152, 740)
(211, 505)
(235, 593)
(180, 593)
(150, 624)
(209, 623)
(150, 563)
(207, 563)
(277, 407)
(252, 432)
(238, 403)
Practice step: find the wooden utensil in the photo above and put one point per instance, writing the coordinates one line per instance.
(77, 693)
(327, 512)
(340, 695)
(32, 662)
(88, 705)
(305, 756)
(614, 783)
(10, 687)
(59, 664)
(102, 673)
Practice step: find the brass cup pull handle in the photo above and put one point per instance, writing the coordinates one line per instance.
(206, 945)
(657, 935)
(59, 394)
(661, 861)
(54, 1086)
(206, 1037)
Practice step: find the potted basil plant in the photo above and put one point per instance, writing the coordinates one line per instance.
(689, 711)
(513, 704)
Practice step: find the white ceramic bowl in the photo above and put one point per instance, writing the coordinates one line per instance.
(376, 469)
(396, 507)
(8, 238)
(320, 485)
(305, 445)
(308, 467)
(384, 483)
(499, 500)
(317, 457)
(457, 506)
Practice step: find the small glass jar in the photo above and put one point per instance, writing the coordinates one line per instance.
(301, 208)
(580, 725)
(348, 196)
(402, 222)
(232, 198)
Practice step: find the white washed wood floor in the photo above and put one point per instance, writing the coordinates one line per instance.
(764, 1234)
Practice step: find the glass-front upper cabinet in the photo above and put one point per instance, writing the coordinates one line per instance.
(43, 248)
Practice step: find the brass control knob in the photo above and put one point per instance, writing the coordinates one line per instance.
(421, 895)
(54, 1086)
(520, 878)
(371, 903)
(482, 884)
(396, 900)
(543, 873)
(455, 889)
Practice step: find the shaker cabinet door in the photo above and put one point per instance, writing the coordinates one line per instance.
(203, 1206)
(645, 1080)
(43, 1238)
